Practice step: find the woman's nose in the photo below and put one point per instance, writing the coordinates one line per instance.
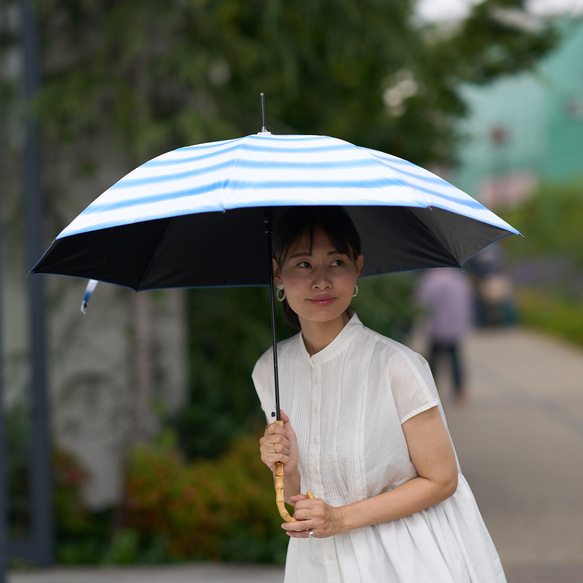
(321, 279)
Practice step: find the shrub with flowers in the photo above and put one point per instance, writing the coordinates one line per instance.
(222, 509)
(69, 475)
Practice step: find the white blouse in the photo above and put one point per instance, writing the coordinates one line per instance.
(347, 404)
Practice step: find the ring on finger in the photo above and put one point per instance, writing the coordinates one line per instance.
(311, 534)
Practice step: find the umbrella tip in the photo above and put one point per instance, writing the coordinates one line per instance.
(263, 130)
(88, 293)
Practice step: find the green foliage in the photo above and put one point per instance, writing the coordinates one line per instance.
(18, 437)
(85, 537)
(551, 222)
(183, 72)
(102, 544)
(498, 38)
(81, 536)
(70, 515)
(228, 330)
(553, 314)
(223, 509)
(163, 74)
(385, 304)
(124, 548)
(175, 510)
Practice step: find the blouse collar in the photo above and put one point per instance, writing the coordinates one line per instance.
(338, 345)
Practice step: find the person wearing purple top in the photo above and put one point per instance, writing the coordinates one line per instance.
(446, 295)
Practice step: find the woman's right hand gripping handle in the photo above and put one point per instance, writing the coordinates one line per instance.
(279, 444)
(279, 452)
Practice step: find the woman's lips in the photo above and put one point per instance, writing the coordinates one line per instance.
(322, 300)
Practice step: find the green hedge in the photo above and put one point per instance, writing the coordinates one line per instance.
(553, 314)
(175, 510)
(222, 509)
(551, 222)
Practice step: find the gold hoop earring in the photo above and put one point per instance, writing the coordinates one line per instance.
(355, 291)
(280, 293)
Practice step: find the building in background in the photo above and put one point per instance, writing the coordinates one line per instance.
(527, 128)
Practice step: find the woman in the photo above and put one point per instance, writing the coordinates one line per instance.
(363, 429)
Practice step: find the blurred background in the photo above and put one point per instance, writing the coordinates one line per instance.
(130, 434)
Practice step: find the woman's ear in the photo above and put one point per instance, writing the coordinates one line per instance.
(276, 272)
(359, 264)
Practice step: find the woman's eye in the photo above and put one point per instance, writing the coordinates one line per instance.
(337, 262)
(303, 264)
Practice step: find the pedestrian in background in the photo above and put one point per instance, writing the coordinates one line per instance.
(447, 298)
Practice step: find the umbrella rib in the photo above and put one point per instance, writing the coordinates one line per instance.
(431, 235)
(234, 166)
(147, 270)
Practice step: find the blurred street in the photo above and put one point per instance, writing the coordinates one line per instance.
(519, 437)
(520, 443)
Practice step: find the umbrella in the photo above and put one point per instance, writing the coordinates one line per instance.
(142, 231)
(201, 215)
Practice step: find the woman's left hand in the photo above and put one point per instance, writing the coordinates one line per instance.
(313, 514)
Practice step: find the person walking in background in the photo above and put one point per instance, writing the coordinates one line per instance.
(446, 296)
(495, 302)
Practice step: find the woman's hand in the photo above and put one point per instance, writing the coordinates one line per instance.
(279, 444)
(314, 515)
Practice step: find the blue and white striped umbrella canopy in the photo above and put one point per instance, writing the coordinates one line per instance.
(195, 216)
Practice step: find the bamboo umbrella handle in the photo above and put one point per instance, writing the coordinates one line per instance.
(279, 496)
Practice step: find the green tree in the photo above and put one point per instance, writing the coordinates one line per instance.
(161, 74)
(498, 38)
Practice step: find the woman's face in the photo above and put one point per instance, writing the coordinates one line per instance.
(318, 282)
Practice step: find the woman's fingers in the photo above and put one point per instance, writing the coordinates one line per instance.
(275, 442)
(274, 446)
(279, 444)
(313, 515)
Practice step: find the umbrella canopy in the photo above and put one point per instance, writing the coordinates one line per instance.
(195, 216)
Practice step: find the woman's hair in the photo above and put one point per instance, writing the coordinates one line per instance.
(296, 222)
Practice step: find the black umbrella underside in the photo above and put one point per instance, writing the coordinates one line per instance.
(228, 249)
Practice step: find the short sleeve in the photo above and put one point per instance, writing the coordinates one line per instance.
(264, 385)
(412, 384)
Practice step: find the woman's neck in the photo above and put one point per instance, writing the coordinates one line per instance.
(317, 335)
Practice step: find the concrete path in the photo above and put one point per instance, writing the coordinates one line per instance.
(520, 443)
(519, 437)
(193, 573)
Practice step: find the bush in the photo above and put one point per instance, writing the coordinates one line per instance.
(69, 475)
(551, 222)
(229, 329)
(222, 509)
(552, 314)
(82, 536)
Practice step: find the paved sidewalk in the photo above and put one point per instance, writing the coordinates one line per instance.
(520, 443)
(519, 438)
(193, 573)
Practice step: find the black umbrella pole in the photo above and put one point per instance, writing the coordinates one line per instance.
(268, 220)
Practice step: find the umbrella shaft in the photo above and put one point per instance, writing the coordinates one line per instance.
(268, 220)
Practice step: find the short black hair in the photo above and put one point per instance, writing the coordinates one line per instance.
(295, 222)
